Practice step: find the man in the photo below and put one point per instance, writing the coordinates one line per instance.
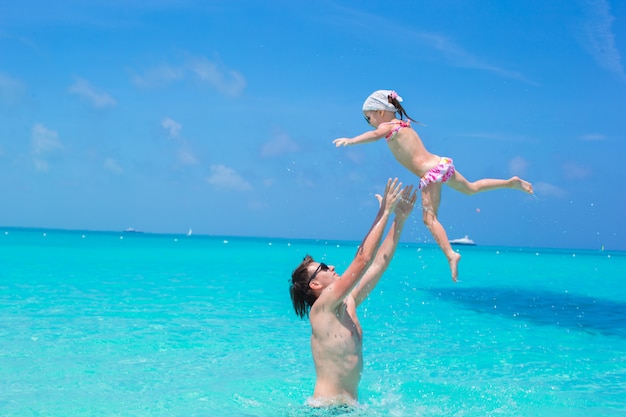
(330, 300)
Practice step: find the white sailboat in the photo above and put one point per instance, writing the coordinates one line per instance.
(463, 241)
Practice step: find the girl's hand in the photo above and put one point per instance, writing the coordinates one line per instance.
(341, 142)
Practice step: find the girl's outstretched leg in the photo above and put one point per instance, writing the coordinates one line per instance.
(459, 183)
(431, 196)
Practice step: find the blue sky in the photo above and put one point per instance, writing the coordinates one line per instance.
(219, 116)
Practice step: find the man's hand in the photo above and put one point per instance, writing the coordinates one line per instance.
(393, 192)
(406, 203)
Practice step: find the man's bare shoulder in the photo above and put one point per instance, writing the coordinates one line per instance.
(325, 308)
(322, 307)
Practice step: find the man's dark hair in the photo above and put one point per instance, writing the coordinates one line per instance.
(302, 295)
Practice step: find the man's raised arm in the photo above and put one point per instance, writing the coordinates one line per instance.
(367, 250)
(388, 248)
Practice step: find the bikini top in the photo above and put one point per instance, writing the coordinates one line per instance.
(394, 131)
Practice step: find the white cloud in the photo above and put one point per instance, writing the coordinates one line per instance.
(593, 137)
(186, 157)
(226, 81)
(225, 177)
(97, 98)
(572, 171)
(162, 74)
(41, 164)
(518, 165)
(356, 156)
(500, 137)
(183, 154)
(8, 83)
(280, 144)
(447, 49)
(44, 143)
(10, 88)
(258, 205)
(172, 126)
(457, 56)
(599, 38)
(546, 189)
(112, 166)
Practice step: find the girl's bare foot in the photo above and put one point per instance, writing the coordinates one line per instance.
(453, 260)
(519, 184)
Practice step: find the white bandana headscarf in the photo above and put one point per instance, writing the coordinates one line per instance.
(378, 100)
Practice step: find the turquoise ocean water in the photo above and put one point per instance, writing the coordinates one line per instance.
(114, 324)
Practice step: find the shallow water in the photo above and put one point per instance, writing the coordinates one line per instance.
(112, 324)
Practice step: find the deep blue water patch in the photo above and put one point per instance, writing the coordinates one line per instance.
(576, 312)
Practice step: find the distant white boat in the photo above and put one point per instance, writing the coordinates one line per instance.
(463, 241)
(189, 232)
(131, 230)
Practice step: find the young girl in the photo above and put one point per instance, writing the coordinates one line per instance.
(380, 110)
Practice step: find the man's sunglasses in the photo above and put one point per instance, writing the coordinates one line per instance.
(367, 119)
(321, 267)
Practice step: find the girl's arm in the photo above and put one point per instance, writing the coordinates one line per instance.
(371, 136)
